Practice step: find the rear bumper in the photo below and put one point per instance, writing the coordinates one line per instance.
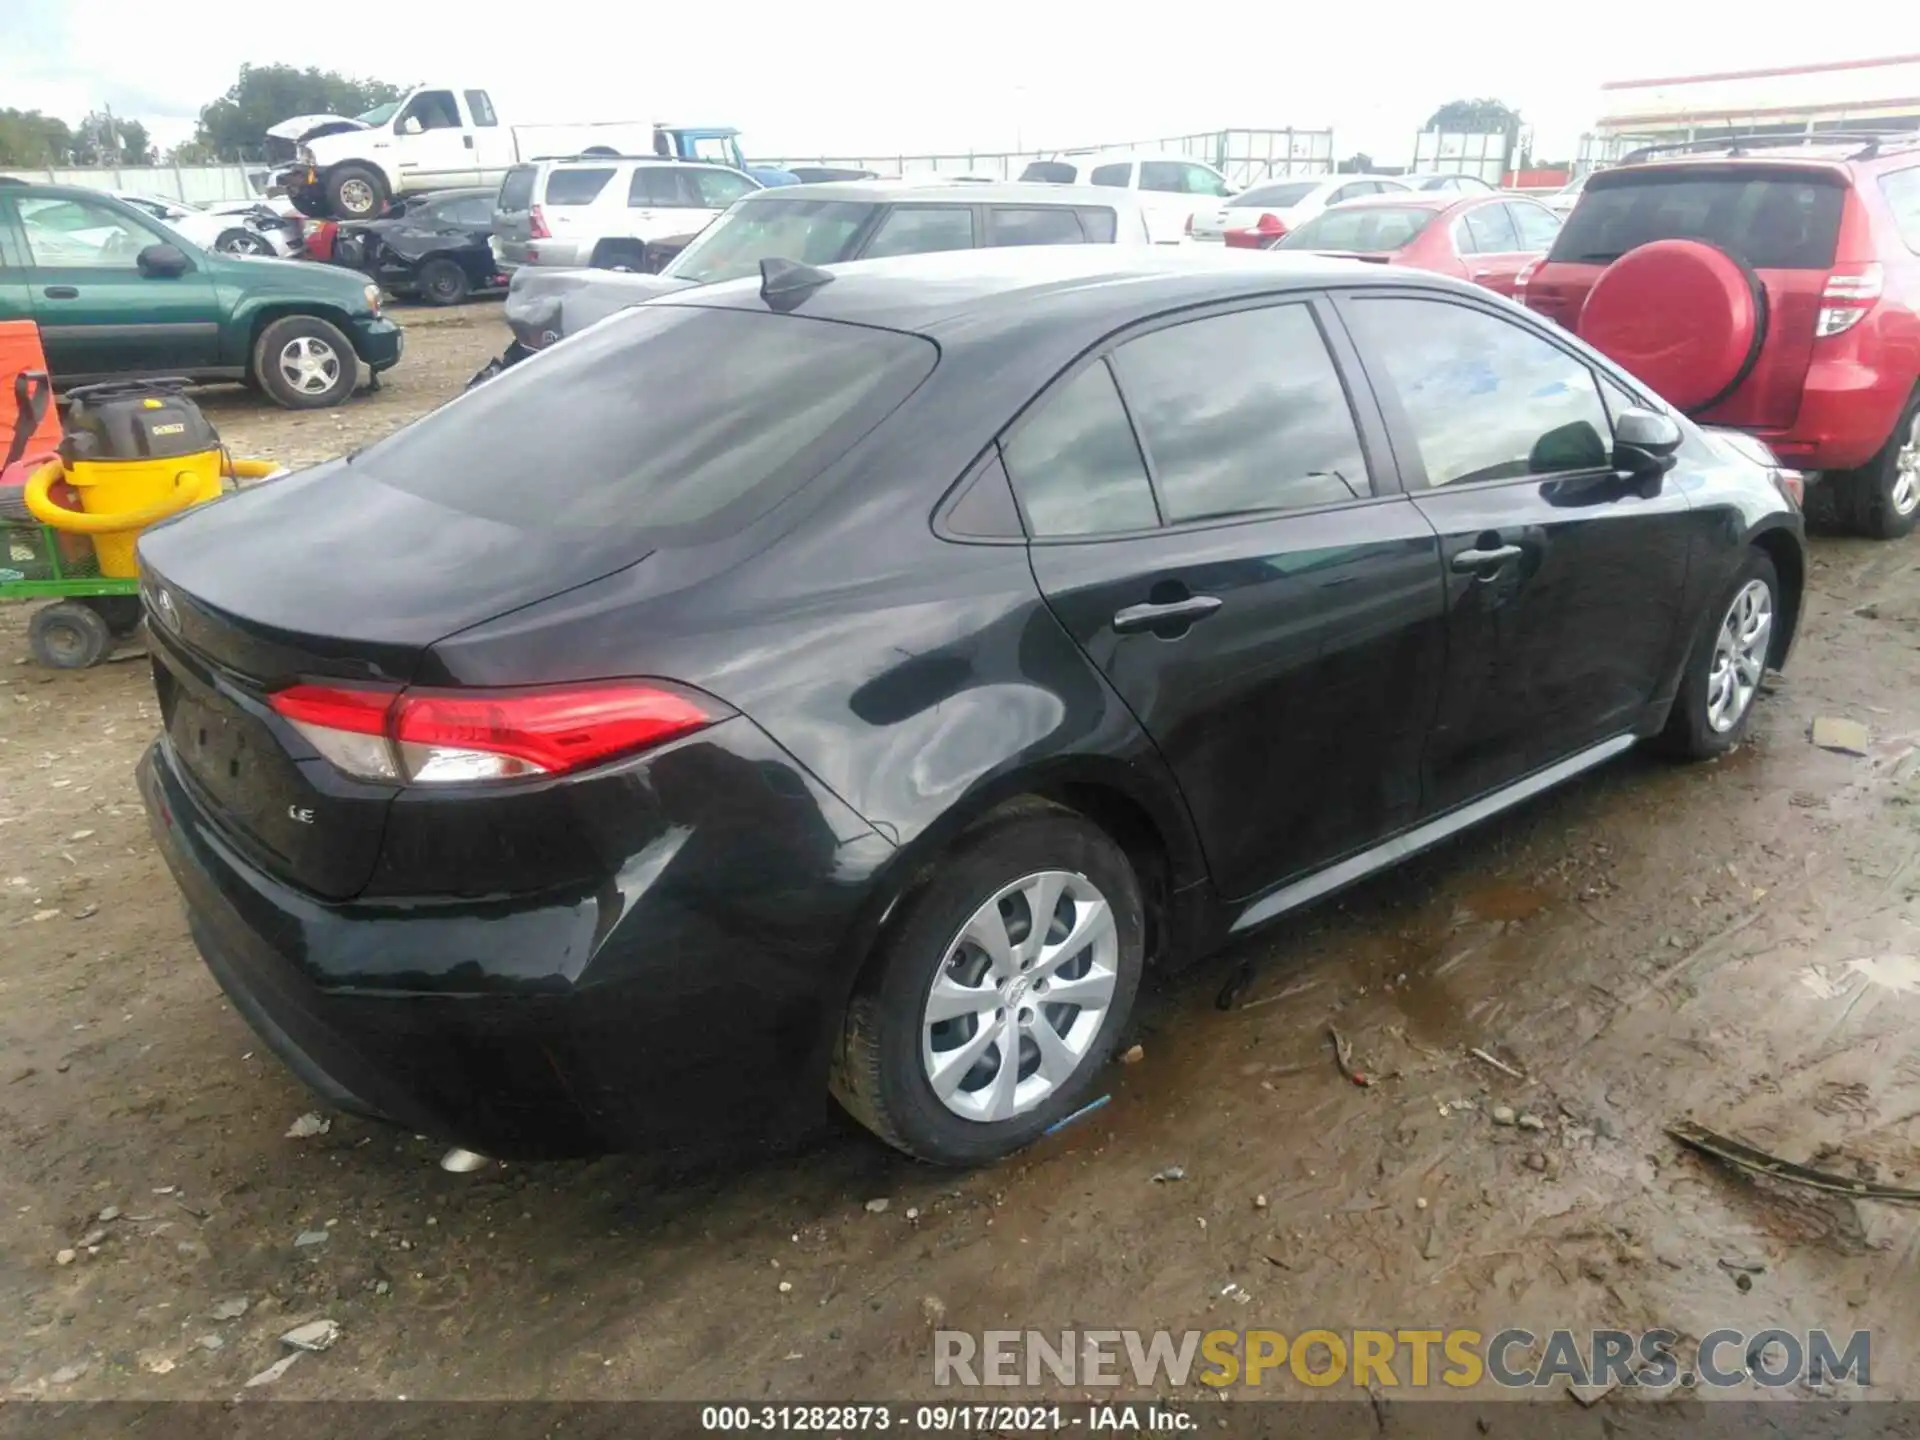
(631, 1015)
(1847, 411)
(567, 254)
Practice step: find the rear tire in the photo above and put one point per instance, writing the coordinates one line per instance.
(241, 242)
(68, 635)
(891, 1046)
(1711, 713)
(1881, 500)
(442, 282)
(305, 363)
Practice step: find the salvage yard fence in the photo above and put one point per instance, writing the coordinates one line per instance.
(193, 184)
(1243, 156)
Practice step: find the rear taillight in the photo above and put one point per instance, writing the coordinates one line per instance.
(1849, 295)
(437, 737)
(1270, 224)
(1520, 280)
(537, 225)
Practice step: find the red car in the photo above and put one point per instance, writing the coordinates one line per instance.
(1770, 285)
(1488, 239)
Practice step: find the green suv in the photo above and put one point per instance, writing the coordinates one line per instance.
(117, 295)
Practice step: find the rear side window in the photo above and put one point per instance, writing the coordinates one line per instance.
(1008, 225)
(1491, 230)
(1276, 197)
(1076, 465)
(1053, 172)
(477, 210)
(1111, 177)
(1487, 399)
(516, 191)
(1163, 175)
(1773, 220)
(742, 408)
(481, 108)
(922, 230)
(718, 189)
(1364, 230)
(1099, 224)
(1241, 414)
(1535, 224)
(659, 186)
(576, 187)
(1902, 189)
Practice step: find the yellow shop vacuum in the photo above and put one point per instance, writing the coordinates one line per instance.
(134, 452)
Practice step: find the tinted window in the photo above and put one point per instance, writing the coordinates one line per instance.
(815, 232)
(659, 186)
(1007, 225)
(1053, 172)
(516, 191)
(718, 189)
(778, 398)
(1202, 181)
(1242, 413)
(921, 230)
(1276, 197)
(475, 210)
(576, 187)
(434, 110)
(1902, 189)
(1098, 223)
(1364, 230)
(1773, 221)
(1114, 177)
(1487, 400)
(1535, 224)
(481, 108)
(1163, 175)
(1076, 465)
(1491, 230)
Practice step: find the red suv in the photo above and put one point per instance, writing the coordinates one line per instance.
(1769, 285)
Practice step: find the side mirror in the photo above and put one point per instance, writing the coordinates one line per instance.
(1645, 443)
(163, 262)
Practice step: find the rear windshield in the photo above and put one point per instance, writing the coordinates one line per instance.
(1365, 230)
(1782, 220)
(516, 191)
(814, 232)
(660, 418)
(1276, 197)
(1051, 171)
(576, 187)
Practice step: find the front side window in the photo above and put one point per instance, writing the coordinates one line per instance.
(1202, 181)
(1076, 465)
(1276, 197)
(82, 234)
(720, 188)
(1486, 398)
(432, 110)
(1014, 225)
(1243, 413)
(921, 230)
(1165, 175)
(1051, 172)
(814, 232)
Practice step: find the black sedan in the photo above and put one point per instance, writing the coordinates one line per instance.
(435, 248)
(944, 640)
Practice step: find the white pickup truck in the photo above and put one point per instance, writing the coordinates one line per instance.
(437, 136)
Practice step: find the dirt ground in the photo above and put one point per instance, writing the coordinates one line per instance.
(1733, 942)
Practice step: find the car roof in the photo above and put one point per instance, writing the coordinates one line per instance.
(977, 295)
(959, 192)
(1414, 200)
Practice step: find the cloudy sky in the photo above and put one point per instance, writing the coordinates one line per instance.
(861, 77)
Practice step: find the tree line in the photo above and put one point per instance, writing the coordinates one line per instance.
(230, 129)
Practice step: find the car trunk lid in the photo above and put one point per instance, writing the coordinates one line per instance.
(1781, 220)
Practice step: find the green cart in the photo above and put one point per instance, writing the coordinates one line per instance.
(90, 613)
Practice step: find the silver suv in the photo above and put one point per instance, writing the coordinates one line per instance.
(610, 211)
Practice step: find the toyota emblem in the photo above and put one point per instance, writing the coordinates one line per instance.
(164, 608)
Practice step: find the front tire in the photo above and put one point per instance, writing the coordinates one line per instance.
(997, 998)
(241, 242)
(305, 363)
(442, 282)
(355, 192)
(1715, 704)
(1881, 500)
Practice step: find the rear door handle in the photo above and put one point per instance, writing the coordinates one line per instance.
(1485, 559)
(62, 292)
(1145, 617)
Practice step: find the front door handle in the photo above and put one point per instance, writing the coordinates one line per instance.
(1145, 617)
(62, 292)
(1485, 559)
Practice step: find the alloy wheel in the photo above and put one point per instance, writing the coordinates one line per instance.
(1739, 655)
(356, 196)
(310, 365)
(247, 245)
(1020, 996)
(1906, 472)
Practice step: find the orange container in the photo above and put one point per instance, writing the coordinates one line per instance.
(20, 350)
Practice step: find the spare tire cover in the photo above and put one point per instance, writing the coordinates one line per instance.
(1682, 315)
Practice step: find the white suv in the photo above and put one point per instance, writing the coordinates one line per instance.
(1172, 189)
(610, 211)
